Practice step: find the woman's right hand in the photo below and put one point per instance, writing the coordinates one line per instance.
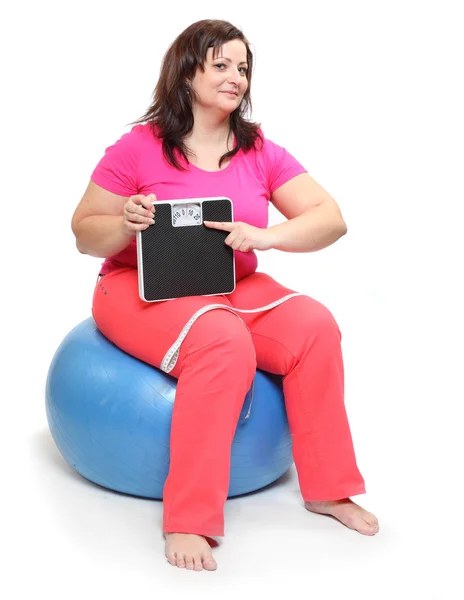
(139, 213)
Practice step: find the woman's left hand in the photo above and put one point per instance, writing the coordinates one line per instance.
(243, 237)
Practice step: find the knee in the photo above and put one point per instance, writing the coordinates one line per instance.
(319, 319)
(327, 320)
(225, 337)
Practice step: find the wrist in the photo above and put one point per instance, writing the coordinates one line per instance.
(273, 237)
(127, 233)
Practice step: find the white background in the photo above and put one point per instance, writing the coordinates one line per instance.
(369, 97)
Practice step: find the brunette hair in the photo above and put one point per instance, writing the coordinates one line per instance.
(170, 113)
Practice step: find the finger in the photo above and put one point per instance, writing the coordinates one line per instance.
(138, 209)
(237, 243)
(234, 239)
(148, 202)
(245, 246)
(220, 225)
(144, 202)
(242, 244)
(134, 227)
(141, 216)
(137, 199)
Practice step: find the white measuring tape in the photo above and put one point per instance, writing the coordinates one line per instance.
(170, 359)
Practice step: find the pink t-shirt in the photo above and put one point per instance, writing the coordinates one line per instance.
(135, 164)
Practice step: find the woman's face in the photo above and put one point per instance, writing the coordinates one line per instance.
(224, 81)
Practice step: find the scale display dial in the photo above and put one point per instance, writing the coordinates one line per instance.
(186, 214)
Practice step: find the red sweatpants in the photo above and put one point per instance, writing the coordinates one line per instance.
(298, 339)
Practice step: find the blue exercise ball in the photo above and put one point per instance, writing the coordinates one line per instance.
(110, 417)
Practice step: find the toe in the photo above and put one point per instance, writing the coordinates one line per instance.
(189, 563)
(375, 526)
(372, 521)
(198, 564)
(171, 559)
(367, 528)
(209, 563)
(180, 561)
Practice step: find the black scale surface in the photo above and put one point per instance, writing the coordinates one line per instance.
(187, 261)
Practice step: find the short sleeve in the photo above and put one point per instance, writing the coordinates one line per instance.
(117, 170)
(280, 165)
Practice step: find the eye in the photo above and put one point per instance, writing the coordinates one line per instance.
(242, 70)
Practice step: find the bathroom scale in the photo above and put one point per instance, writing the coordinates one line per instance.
(179, 256)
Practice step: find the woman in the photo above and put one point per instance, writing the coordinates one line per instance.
(194, 142)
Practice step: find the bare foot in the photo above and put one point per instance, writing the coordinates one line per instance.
(190, 551)
(349, 513)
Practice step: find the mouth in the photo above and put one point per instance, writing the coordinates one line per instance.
(234, 94)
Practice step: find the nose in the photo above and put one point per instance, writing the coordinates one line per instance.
(234, 77)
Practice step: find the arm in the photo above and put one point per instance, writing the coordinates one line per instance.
(314, 218)
(97, 223)
(105, 223)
